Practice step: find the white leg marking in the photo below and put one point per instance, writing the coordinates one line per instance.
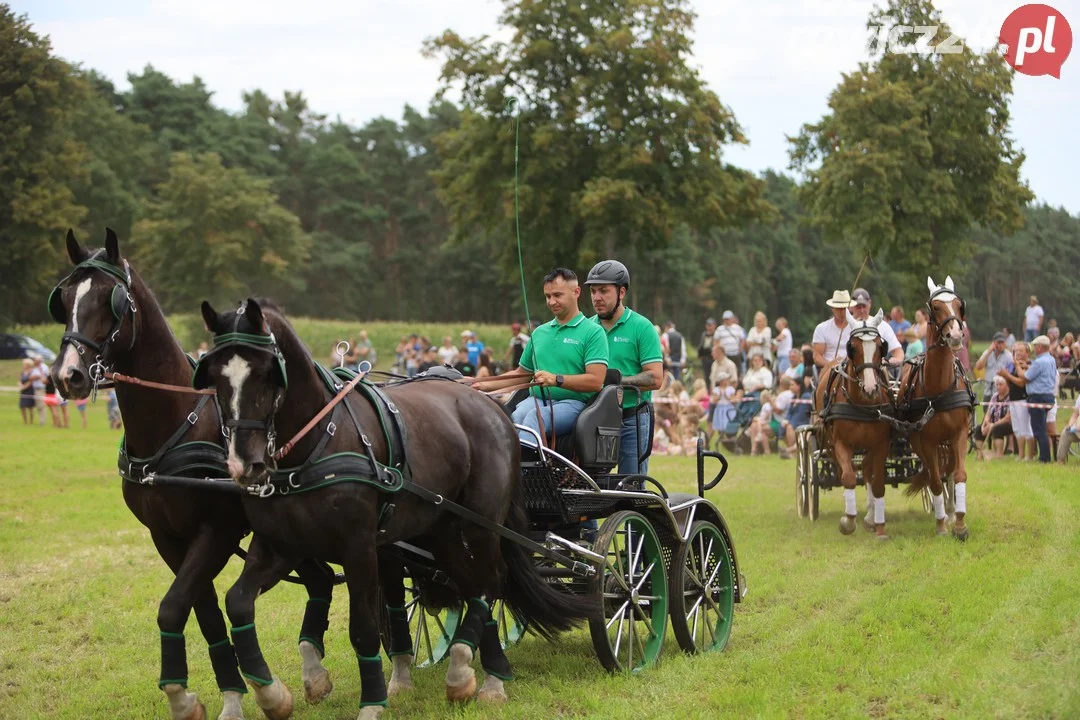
(182, 703)
(400, 677)
(317, 683)
(370, 712)
(961, 498)
(233, 708)
(237, 371)
(939, 506)
(879, 510)
(492, 690)
(850, 506)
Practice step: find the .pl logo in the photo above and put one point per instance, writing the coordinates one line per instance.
(1036, 40)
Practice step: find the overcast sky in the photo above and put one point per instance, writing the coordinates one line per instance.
(773, 62)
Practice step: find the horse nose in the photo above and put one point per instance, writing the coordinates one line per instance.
(255, 470)
(75, 380)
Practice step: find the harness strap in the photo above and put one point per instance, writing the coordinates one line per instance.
(287, 448)
(189, 422)
(464, 512)
(119, 377)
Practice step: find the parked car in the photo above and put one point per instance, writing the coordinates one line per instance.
(13, 347)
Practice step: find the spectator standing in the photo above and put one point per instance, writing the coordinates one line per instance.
(363, 350)
(463, 365)
(1010, 339)
(474, 347)
(920, 324)
(448, 354)
(759, 338)
(782, 345)
(676, 345)
(1033, 319)
(899, 324)
(731, 337)
(26, 392)
(704, 351)
(1041, 381)
(38, 376)
(518, 341)
(721, 365)
(1018, 409)
(914, 344)
(994, 358)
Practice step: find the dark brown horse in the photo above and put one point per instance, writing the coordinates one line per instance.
(112, 318)
(850, 395)
(461, 447)
(934, 385)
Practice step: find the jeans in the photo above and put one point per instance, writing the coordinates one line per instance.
(1038, 423)
(1030, 334)
(676, 370)
(629, 445)
(566, 412)
(782, 365)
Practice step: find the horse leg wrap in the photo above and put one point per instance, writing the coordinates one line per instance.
(961, 498)
(226, 670)
(372, 682)
(939, 506)
(850, 506)
(471, 628)
(252, 665)
(173, 660)
(879, 510)
(492, 657)
(400, 637)
(316, 621)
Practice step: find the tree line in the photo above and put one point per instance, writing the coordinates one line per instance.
(589, 132)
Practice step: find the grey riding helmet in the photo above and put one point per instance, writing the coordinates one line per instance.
(609, 272)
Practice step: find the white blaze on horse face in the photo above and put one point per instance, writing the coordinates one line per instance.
(869, 347)
(953, 334)
(71, 355)
(237, 371)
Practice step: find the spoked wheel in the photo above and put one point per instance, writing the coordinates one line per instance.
(702, 590)
(813, 475)
(802, 477)
(632, 589)
(510, 629)
(431, 630)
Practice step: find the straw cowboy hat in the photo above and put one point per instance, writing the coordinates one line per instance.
(840, 299)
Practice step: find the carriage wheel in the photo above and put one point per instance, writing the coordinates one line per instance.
(802, 496)
(814, 475)
(511, 630)
(702, 590)
(431, 630)
(633, 592)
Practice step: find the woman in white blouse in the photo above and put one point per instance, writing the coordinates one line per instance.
(758, 377)
(759, 338)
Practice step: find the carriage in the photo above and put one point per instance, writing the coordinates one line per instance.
(657, 554)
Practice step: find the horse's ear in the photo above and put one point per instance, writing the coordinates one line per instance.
(255, 315)
(112, 247)
(210, 317)
(930, 285)
(880, 316)
(76, 252)
(949, 284)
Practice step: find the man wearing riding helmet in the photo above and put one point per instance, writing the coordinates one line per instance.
(634, 350)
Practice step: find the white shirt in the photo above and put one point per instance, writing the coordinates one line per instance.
(1032, 315)
(730, 337)
(783, 343)
(760, 379)
(760, 339)
(834, 338)
(448, 354)
(783, 401)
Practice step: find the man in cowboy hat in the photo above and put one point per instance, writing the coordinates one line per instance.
(831, 336)
(860, 310)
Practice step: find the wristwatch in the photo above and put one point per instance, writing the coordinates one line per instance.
(559, 380)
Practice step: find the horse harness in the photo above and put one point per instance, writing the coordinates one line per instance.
(120, 303)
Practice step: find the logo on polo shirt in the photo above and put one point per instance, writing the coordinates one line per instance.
(571, 341)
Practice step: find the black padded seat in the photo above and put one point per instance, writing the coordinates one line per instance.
(596, 434)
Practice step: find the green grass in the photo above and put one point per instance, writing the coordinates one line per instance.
(833, 626)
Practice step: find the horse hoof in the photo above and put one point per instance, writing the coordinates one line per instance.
(197, 713)
(370, 712)
(883, 537)
(463, 692)
(960, 533)
(492, 697)
(847, 524)
(318, 688)
(867, 525)
(397, 688)
(283, 708)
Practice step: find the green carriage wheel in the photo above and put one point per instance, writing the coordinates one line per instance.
(633, 592)
(511, 630)
(703, 590)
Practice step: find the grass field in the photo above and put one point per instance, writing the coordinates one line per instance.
(833, 626)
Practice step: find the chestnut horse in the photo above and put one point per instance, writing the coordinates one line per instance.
(934, 395)
(851, 395)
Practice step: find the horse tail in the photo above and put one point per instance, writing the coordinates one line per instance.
(918, 483)
(544, 608)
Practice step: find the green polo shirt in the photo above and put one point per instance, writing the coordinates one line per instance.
(632, 344)
(565, 350)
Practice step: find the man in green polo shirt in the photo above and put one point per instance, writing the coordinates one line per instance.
(573, 353)
(634, 350)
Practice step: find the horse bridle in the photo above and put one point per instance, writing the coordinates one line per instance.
(864, 333)
(122, 305)
(939, 328)
(260, 343)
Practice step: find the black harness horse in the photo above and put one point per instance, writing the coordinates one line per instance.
(113, 323)
(460, 449)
